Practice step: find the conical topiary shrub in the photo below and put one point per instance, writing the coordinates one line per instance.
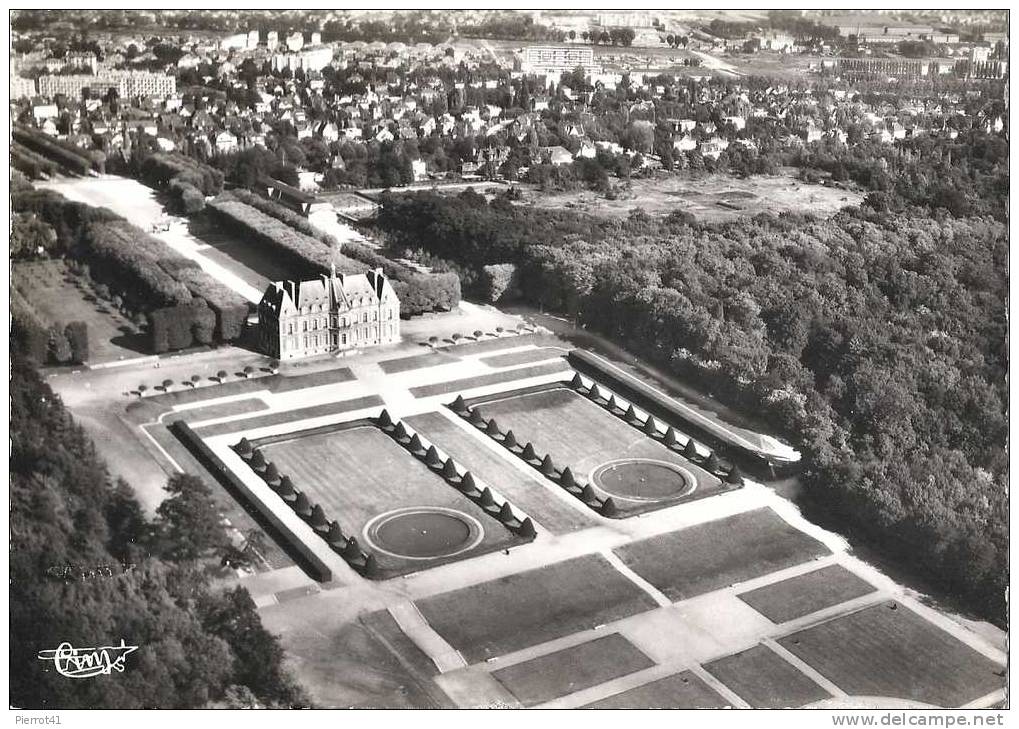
(335, 536)
(650, 426)
(459, 405)
(735, 476)
(711, 464)
(432, 457)
(631, 414)
(576, 383)
(588, 494)
(506, 513)
(529, 454)
(272, 473)
(476, 417)
(415, 444)
(318, 518)
(243, 448)
(486, 497)
(467, 484)
(526, 529)
(595, 393)
(400, 432)
(690, 449)
(258, 461)
(509, 440)
(301, 505)
(352, 550)
(384, 420)
(492, 428)
(547, 467)
(286, 489)
(670, 437)
(566, 479)
(608, 508)
(371, 566)
(449, 469)
(611, 405)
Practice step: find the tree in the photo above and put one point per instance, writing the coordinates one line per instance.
(59, 347)
(77, 337)
(188, 520)
(221, 375)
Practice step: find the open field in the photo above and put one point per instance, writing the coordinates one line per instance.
(806, 593)
(765, 680)
(708, 556)
(680, 691)
(524, 490)
(359, 473)
(708, 197)
(572, 669)
(577, 433)
(524, 609)
(441, 388)
(879, 651)
(50, 289)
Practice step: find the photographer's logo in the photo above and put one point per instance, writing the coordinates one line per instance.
(87, 662)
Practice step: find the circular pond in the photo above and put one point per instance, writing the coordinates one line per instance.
(643, 479)
(426, 532)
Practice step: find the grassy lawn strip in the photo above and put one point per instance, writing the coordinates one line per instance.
(272, 383)
(878, 651)
(514, 612)
(572, 669)
(221, 410)
(417, 361)
(494, 345)
(381, 625)
(495, 378)
(765, 680)
(287, 416)
(523, 490)
(680, 691)
(706, 557)
(358, 473)
(807, 593)
(518, 358)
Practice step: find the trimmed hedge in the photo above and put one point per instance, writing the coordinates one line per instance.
(231, 309)
(282, 213)
(162, 169)
(74, 158)
(32, 164)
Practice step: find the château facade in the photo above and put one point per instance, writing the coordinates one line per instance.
(328, 315)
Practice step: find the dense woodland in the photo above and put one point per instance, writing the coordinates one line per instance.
(874, 340)
(87, 567)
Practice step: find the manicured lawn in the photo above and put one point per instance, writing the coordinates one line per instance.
(507, 341)
(358, 473)
(681, 691)
(289, 416)
(529, 492)
(417, 361)
(272, 383)
(878, 651)
(716, 554)
(572, 669)
(765, 680)
(806, 593)
(455, 386)
(582, 435)
(514, 612)
(221, 410)
(523, 357)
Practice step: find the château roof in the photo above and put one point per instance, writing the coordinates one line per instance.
(335, 292)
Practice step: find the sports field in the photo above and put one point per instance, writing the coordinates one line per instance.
(806, 593)
(879, 651)
(577, 433)
(527, 608)
(572, 669)
(765, 680)
(680, 691)
(716, 554)
(359, 473)
(524, 487)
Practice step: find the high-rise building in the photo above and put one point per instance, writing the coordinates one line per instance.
(557, 59)
(22, 88)
(127, 84)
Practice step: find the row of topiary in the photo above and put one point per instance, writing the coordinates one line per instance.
(649, 426)
(462, 482)
(32, 164)
(563, 477)
(75, 159)
(347, 547)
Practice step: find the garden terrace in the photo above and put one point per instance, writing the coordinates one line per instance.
(380, 490)
(590, 451)
(683, 690)
(765, 680)
(804, 594)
